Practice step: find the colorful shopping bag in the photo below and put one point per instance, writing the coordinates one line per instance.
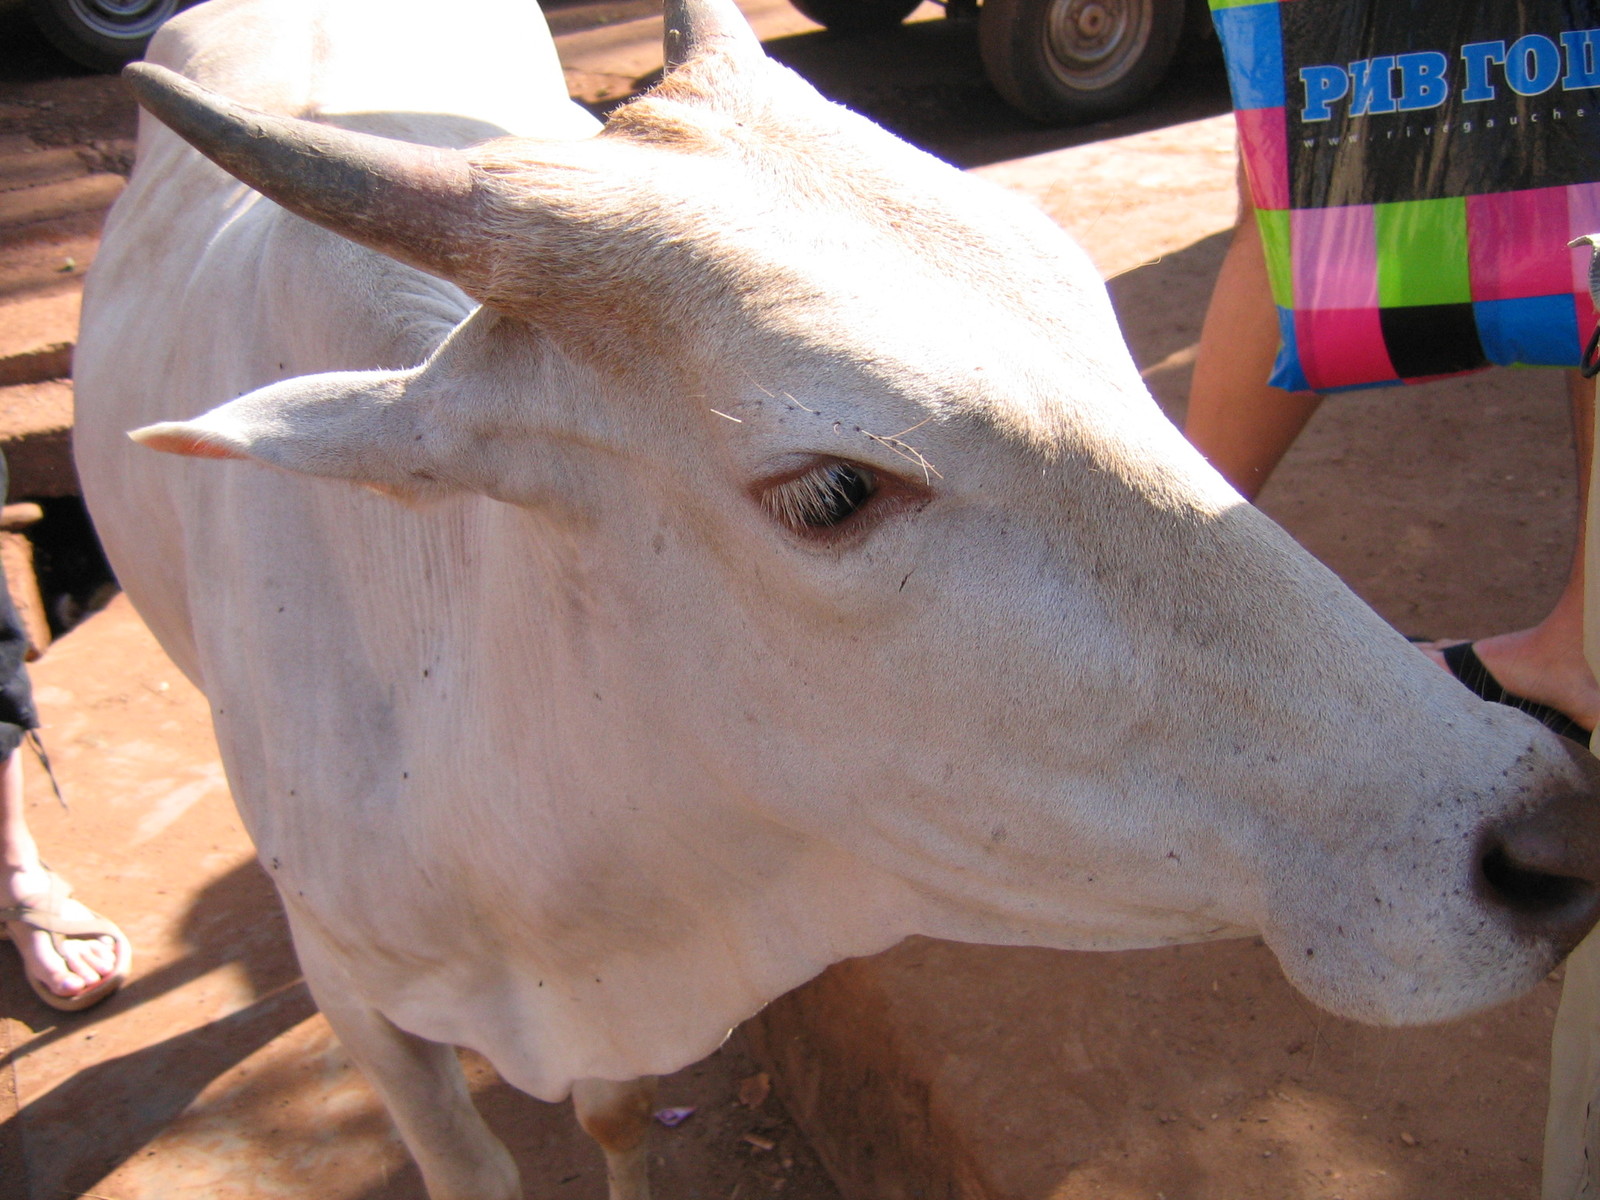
(1418, 168)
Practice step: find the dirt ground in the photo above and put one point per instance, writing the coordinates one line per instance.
(1451, 512)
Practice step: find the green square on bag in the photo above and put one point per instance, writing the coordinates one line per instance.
(1422, 252)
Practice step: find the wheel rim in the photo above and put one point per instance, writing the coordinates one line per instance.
(1091, 44)
(123, 20)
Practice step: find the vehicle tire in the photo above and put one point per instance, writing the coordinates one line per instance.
(102, 34)
(1065, 61)
(856, 16)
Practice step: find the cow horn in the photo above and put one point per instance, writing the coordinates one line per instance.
(694, 26)
(413, 203)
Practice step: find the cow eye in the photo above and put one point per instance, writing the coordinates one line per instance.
(825, 496)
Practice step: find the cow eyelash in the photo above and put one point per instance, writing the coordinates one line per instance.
(823, 498)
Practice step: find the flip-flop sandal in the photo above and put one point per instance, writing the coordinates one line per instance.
(1466, 666)
(48, 917)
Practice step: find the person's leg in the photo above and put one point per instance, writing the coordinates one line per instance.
(1236, 419)
(73, 957)
(1546, 662)
(84, 961)
(1572, 1121)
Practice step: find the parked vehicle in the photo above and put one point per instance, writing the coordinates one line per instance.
(103, 34)
(1058, 61)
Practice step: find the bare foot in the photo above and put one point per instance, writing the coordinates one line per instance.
(82, 963)
(1527, 666)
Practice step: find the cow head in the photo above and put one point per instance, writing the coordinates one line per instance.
(844, 451)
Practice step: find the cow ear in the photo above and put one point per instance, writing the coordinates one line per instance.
(364, 426)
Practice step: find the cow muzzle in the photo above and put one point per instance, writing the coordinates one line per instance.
(1541, 870)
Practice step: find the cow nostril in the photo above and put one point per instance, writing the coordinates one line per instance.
(1530, 892)
(1541, 868)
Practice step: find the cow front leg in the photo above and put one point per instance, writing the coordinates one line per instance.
(617, 1115)
(422, 1085)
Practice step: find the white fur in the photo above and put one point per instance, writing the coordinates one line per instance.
(580, 757)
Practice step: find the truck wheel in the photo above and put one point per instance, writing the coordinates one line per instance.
(102, 34)
(1065, 61)
(856, 16)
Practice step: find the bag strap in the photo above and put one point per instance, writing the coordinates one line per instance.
(1590, 363)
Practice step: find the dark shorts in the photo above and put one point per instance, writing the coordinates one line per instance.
(16, 696)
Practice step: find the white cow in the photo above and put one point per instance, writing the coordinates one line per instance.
(708, 614)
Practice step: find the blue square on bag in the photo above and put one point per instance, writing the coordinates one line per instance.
(1252, 42)
(1287, 372)
(1537, 331)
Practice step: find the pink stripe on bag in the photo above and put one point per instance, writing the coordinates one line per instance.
(1342, 347)
(1335, 257)
(1263, 140)
(1517, 244)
